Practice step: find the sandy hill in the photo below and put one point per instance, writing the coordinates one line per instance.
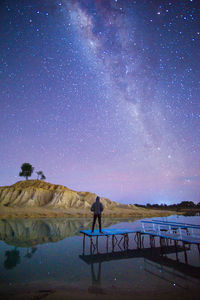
(39, 198)
(37, 193)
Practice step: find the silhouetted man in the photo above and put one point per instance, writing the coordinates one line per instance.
(97, 208)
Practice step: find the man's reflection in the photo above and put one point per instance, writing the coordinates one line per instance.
(96, 288)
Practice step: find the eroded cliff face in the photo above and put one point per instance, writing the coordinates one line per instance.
(30, 233)
(37, 193)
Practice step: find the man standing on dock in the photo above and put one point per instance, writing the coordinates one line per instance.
(97, 208)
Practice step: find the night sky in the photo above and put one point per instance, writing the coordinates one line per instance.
(103, 96)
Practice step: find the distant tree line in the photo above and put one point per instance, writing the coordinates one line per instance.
(181, 205)
(27, 170)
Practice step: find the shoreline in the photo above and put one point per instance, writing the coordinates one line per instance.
(63, 291)
(40, 212)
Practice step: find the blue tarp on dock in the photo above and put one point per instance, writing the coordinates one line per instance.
(106, 232)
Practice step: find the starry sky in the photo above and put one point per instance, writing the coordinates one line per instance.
(103, 96)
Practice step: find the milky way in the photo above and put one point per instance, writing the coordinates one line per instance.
(103, 96)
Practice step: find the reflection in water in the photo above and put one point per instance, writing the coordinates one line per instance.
(30, 252)
(96, 287)
(156, 263)
(29, 233)
(12, 258)
(146, 271)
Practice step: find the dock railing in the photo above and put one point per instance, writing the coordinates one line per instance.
(190, 228)
(180, 231)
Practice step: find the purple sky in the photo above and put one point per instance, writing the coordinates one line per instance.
(103, 96)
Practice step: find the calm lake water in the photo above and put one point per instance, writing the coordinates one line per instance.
(49, 251)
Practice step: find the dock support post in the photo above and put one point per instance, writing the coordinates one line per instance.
(91, 245)
(185, 253)
(107, 243)
(175, 245)
(161, 246)
(150, 241)
(113, 243)
(136, 238)
(97, 238)
(84, 244)
(198, 246)
(126, 240)
(140, 240)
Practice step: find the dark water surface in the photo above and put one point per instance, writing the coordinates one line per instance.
(49, 251)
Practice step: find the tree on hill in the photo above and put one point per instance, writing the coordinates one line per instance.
(40, 175)
(43, 177)
(26, 170)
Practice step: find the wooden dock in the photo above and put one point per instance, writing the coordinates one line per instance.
(166, 233)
